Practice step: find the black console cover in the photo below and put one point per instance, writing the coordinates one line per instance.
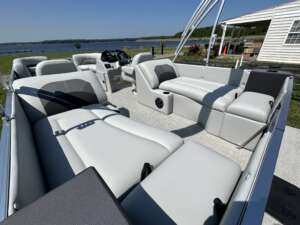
(84, 200)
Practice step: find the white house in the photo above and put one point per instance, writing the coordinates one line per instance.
(282, 41)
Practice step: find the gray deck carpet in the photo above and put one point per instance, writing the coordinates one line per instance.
(189, 130)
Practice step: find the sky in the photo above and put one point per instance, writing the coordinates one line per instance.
(37, 20)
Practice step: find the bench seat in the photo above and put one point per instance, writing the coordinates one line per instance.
(182, 190)
(116, 146)
(252, 105)
(212, 94)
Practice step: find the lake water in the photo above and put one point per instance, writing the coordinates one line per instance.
(8, 49)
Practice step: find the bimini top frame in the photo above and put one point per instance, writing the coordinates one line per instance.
(199, 15)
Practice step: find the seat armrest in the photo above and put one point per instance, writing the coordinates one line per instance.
(85, 199)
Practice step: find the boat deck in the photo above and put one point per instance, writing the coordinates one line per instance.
(186, 129)
(283, 205)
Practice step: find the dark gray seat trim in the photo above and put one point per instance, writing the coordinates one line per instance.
(85, 199)
(148, 213)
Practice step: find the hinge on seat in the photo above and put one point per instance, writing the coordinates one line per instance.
(219, 208)
(147, 169)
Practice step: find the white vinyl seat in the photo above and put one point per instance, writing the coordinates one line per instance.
(211, 94)
(251, 105)
(183, 189)
(128, 71)
(25, 67)
(55, 66)
(95, 136)
(86, 61)
(75, 128)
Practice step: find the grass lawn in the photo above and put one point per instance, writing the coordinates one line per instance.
(294, 115)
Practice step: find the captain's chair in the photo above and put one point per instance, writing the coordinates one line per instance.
(128, 73)
(86, 61)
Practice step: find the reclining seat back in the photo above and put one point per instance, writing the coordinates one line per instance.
(21, 66)
(158, 71)
(40, 96)
(55, 67)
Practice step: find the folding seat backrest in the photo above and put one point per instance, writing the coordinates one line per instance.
(158, 71)
(42, 96)
(55, 67)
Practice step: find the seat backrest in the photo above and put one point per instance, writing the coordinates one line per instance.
(158, 71)
(26, 178)
(141, 57)
(269, 83)
(86, 58)
(55, 67)
(21, 65)
(42, 96)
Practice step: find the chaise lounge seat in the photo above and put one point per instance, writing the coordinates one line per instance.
(69, 141)
(184, 189)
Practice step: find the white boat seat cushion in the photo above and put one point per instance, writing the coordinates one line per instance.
(214, 95)
(183, 188)
(91, 67)
(95, 136)
(43, 96)
(252, 105)
(55, 66)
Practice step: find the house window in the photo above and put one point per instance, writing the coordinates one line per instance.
(294, 34)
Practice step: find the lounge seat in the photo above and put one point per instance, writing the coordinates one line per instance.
(69, 139)
(248, 114)
(251, 105)
(182, 190)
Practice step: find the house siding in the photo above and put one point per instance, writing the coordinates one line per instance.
(282, 18)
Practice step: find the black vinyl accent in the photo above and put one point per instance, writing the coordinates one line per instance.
(165, 72)
(269, 83)
(141, 209)
(147, 169)
(85, 199)
(219, 208)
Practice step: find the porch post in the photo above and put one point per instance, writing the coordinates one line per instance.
(224, 27)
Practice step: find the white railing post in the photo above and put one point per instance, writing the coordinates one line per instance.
(223, 38)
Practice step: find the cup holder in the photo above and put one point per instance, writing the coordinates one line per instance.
(166, 93)
(159, 103)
